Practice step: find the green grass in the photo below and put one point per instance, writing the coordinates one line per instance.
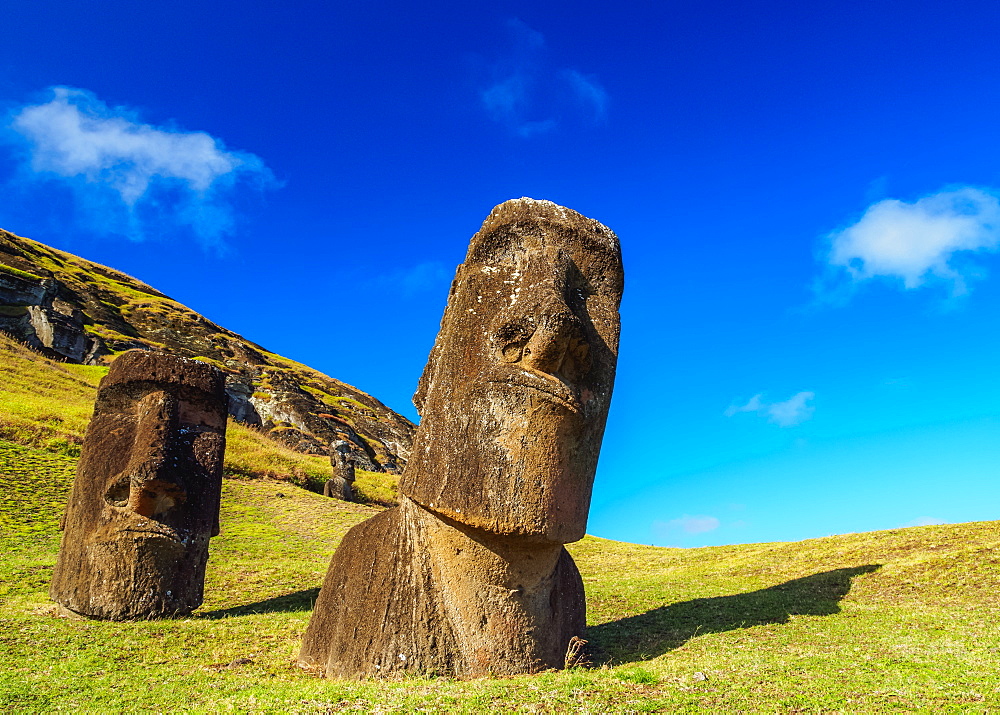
(123, 311)
(44, 403)
(47, 404)
(34, 485)
(902, 620)
(252, 454)
(18, 272)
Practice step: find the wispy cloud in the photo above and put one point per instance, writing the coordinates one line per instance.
(428, 275)
(694, 524)
(589, 92)
(130, 177)
(795, 410)
(530, 96)
(677, 530)
(916, 242)
(754, 404)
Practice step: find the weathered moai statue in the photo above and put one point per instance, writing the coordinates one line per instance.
(341, 485)
(146, 495)
(469, 576)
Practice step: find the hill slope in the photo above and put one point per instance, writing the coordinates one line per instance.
(72, 309)
(893, 620)
(47, 404)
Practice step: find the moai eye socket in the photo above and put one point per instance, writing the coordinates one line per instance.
(512, 340)
(118, 492)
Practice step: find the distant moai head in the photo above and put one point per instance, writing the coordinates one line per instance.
(342, 461)
(342, 464)
(146, 495)
(515, 395)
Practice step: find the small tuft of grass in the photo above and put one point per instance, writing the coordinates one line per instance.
(252, 454)
(4, 268)
(376, 487)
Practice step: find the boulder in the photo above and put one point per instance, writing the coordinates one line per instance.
(34, 310)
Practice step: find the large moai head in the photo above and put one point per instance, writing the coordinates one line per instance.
(146, 495)
(515, 395)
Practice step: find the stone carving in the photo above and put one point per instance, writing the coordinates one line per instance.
(146, 495)
(341, 486)
(469, 575)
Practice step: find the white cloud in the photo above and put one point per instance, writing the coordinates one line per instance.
(129, 176)
(695, 524)
(915, 241)
(530, 97)
(505, 99)
(795, 410)
(754, 404)
(792, 411)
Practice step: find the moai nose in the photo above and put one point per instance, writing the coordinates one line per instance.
(558, 332)
(155, 497)
(153, 484)
(546, 350)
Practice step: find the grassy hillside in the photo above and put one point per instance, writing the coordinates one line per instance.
(893, 620)
(111, 311)
(46, 404)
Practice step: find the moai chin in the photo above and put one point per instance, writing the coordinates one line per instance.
(146, 495)
(469, 575)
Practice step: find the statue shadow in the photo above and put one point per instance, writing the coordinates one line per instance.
(289, 603)
(668, 627)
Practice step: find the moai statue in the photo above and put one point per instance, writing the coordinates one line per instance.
(341, 486)
(146, 495)
(469, 576)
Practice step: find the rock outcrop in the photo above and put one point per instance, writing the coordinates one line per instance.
(469, 575)
(72, 309)
(33, 310)
(145, 500)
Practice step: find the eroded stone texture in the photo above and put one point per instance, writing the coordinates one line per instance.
(469, 575)
(146, 495)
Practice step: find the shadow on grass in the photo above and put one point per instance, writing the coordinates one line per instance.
(663, 629)
(289, 603)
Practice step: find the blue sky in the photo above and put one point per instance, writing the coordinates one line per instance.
(806, 196)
